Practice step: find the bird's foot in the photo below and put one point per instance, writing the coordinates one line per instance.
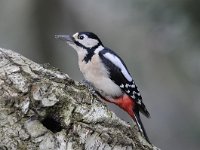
(90, 87)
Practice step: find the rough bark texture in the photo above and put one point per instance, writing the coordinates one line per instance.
(42, 108)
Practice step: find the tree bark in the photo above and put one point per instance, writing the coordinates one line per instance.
(42, 108)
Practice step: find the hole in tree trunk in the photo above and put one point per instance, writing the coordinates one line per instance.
(52, 124)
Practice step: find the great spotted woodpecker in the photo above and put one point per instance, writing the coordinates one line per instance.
(107, 72)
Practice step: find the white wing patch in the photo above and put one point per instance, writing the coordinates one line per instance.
(98, 49)
(115, 60)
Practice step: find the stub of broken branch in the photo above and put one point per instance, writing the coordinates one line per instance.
(42, 108)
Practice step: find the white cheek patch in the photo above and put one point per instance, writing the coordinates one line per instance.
(98, 49)
(88, 42)
(115, 60)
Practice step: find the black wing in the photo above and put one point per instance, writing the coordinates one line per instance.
(116, 75)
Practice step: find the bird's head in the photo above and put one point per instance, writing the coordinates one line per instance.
(82, 41)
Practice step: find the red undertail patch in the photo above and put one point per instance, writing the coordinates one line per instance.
(126, 103)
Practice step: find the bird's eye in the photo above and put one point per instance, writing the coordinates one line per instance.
(81, 37)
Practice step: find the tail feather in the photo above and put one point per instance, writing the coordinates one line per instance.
(140, 125)
(143, 110)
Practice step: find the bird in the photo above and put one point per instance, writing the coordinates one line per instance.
(107, 73)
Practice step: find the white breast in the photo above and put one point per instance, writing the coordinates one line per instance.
(95, 72)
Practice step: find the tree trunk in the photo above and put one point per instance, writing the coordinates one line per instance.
(42, 108)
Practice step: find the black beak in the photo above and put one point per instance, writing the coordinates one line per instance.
(67, 38)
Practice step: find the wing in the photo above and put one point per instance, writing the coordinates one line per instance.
(121, 76)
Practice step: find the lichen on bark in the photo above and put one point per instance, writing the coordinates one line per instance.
(42, 108)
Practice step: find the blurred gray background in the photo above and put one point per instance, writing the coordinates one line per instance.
(159, 41)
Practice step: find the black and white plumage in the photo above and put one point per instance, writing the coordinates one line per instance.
(107, 72)
(120, 75)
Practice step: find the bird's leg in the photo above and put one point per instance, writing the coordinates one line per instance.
(87, 83)
(102, 97)
(124, 102)
(89, 86)
(94, 90)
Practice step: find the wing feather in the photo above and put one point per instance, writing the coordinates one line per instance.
(120, 75)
